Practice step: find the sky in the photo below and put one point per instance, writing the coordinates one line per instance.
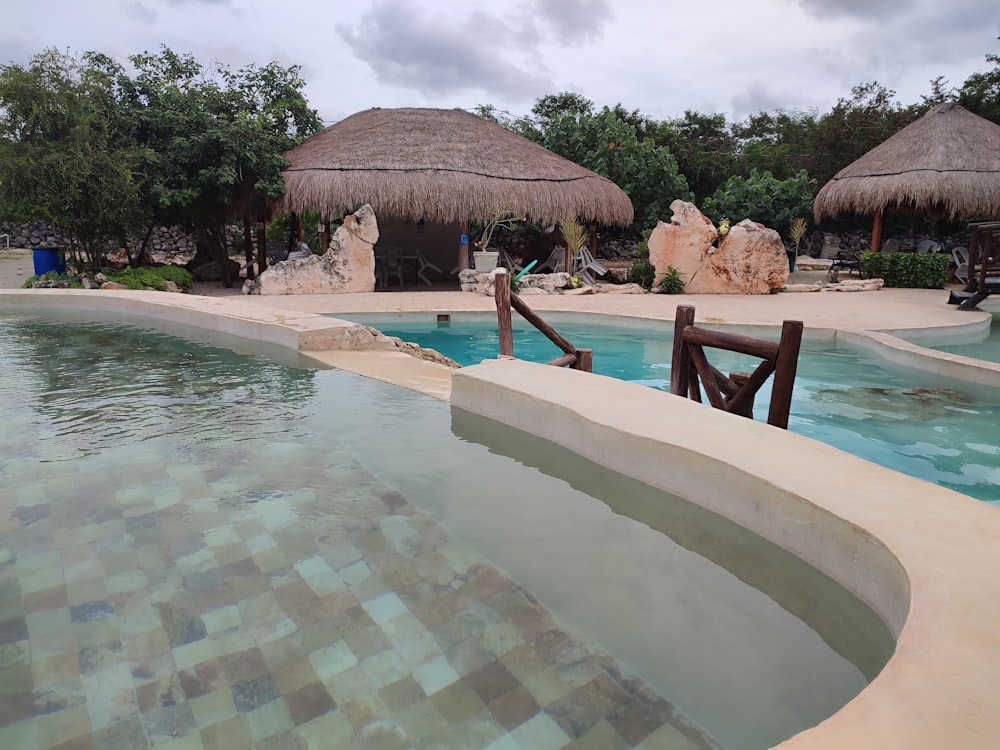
(661, 57)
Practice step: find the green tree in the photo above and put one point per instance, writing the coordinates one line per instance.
(855, 126)
(778, 142)
(762, 198)
(981, 91)
(67, 156)
(607, 145)
(703, 147)
(212, 145)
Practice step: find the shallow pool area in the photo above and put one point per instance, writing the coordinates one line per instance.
(985, 346)
(923, 425)
(209, 549)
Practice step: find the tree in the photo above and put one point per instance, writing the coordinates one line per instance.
(981, 91)
(777, 142)
(855, 126)
(212, 145)
(608, 146)
(703, 147)
(67, 157)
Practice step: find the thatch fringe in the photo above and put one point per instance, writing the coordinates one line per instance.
(442, 166)
(947, 164)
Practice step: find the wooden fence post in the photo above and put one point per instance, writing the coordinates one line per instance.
(505, 326)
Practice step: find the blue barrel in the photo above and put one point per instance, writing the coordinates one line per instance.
(47, 259)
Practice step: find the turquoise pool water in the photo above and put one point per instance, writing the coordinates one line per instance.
(903, 419)
(220, 550)
(983, 347)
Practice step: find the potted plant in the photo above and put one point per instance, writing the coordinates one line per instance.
(483, 258)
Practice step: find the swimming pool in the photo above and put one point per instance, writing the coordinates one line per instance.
(979, 347)
(913, 422)
(207, 545)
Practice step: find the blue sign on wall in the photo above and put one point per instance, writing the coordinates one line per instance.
(463, 239)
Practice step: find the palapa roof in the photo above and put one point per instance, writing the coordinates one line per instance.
(442, 165)
(946, 163)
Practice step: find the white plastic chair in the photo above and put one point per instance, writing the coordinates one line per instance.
(424, 265)
(508, 262)
(555, 262)
(961, 256)
(586, 265)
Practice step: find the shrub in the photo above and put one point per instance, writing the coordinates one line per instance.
(153, 277)
(642, 271)
(762, 198)
(671, 283)
(911, 270)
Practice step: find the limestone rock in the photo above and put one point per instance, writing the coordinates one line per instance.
(113, 285)
(347, 266)
(855, 285)
(750, 259)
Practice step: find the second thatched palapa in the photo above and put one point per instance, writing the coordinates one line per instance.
(441, 165)
(945, 165)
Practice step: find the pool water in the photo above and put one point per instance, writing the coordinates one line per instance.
(984, 347)
(903, 419)
(206, 549)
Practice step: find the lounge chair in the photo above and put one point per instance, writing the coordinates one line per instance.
(424, 265)
(508, 262)
(961, 257)
(586, 265)
(555, 262)
(928, 246)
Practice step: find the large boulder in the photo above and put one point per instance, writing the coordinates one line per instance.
(750, 259)
(347, 266)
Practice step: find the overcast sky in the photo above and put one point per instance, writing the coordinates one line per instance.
(661, 57)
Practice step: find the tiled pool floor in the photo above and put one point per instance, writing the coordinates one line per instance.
(166, 618)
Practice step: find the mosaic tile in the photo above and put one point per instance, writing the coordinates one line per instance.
(332, 660)
(109, 695)
(308, 703)
(268, 720)
(601, 736)
(540, 733)
(15, 706)
(168, 722)
(669, 737)
(325, 732)
(253, 693)
(227, 734)
(243, 665)
(213, 707)
(123, 735)
(294, 675)
(204, 678)
(435, 674)
(50, 598)
(15, 629)
(62, 726)
(16, 652)
(384, 668)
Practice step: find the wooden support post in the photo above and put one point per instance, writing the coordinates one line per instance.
(463, 247)
(877, 231)
(325, 234)
(261, 247)
(680, 369)
(248, 245)
(584, 360)
(785, 366)
(505, 326)
(593, 238)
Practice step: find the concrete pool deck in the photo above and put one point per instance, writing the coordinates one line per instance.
(925, 558)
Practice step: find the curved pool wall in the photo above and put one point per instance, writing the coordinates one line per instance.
(922, 556)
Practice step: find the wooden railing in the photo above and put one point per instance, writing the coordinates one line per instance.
(578, 359)
(984, 263)
(736, 392)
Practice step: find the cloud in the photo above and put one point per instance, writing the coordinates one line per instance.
(858, 9)
(439, 56)
(573, 20)
(141, 12)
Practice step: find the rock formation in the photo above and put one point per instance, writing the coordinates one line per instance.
(750, 259)
(347, 266)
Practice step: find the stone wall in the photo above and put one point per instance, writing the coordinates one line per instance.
(165, 240)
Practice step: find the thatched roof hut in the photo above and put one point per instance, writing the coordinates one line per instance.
(442, 165)
(946, 164)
